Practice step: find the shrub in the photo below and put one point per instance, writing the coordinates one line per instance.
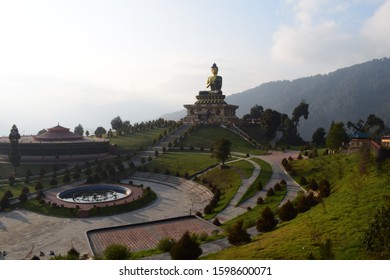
(284, 162)
(166, 244)
(267, 222)
(270, 192)
(283, 182)
(290, 158)
(293, 172)
(4, 203)
(302, 204)
(186, 248)
(277, 187)
(259, 186)
(208, 209)
(300, 156)
(313, 185)
(216, 222)
(199, 214)
(237, 235)
(53, 181)
(260, 200)
(377, 237)
(76, 175)
(25, 190)
(8, 194)
(324, 188)
(155, 170)
(177, 174)
(73, 254)
(11, 180)
(116, 252)
(66, 178)
(303, 181)
(23, 197)
(287, 212)
(186, 175)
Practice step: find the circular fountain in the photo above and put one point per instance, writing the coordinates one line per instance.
(94, 193)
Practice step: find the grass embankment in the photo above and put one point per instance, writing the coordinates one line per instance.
(181, 162)
(138, 140)
(251, 216)
(343, 217)
(205, 136)
(264, 177)
(243, 168)
(228, 181)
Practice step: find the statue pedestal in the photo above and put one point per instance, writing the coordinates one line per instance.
(210, 108)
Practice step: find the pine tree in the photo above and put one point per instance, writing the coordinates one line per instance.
(238, 235)
(186, 248)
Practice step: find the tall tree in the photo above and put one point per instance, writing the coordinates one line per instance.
(100, 131)
(256, 111)
(126, 127)
(318, 137)
(270, 121)
(79, 130)
(336, 136)
(222, 149)
(375, 124)
(14, 155)
(117, 124)
(302, 110)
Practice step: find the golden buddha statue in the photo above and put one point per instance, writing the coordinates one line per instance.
(214, 81)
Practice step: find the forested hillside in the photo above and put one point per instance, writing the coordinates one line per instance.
(350, 93)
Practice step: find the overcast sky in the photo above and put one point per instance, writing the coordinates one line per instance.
(88, 61)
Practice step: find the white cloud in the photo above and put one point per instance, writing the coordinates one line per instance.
(376, 31)
(320, 39)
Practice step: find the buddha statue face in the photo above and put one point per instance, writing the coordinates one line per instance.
(214, 70)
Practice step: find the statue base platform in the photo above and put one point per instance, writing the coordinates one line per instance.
(210, 108)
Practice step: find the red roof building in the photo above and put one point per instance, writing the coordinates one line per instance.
(58, 134)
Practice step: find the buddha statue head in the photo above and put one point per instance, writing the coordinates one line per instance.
(214, 69)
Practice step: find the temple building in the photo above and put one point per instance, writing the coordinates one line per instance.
(211, 107)
(58, 143)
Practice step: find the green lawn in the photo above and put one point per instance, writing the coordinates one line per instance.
(264, 177)
(250, 217)
(207, 135)
(228, 181)
(6, 169)
(342, 217)
(243, 167)
(181, 162)
(134, 141)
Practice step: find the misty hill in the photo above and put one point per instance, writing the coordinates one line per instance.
(350, 93)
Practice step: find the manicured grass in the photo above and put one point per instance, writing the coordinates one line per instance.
(341, 218)
(135, 141)
(243, 167)
(228, 181)
(250, 217)
(182, 162)
(6, 169)
(264, 177)
(207, 135)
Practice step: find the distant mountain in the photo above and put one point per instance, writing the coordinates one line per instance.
(350, 93)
